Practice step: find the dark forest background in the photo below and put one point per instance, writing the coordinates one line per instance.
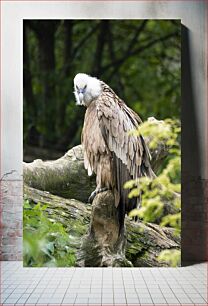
(139, 59)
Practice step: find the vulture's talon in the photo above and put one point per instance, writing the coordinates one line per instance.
(92, 196)
(95, 192)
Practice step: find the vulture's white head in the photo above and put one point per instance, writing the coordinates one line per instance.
(86, 89)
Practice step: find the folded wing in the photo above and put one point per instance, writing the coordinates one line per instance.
(131, 157)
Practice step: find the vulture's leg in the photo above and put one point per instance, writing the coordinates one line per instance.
(103, 177)
(95, 192)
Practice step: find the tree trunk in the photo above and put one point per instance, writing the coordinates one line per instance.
(30, 106)
(27, 77)
(101, 40)
(104, 245)
(68, 32)
(45, 33)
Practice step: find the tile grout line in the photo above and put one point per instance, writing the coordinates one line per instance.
(129, 281)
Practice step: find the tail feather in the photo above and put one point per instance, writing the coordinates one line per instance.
(124, 205)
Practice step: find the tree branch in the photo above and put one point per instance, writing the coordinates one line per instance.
(136, 36)
(77, 48)
(84, 39)
(120, 61)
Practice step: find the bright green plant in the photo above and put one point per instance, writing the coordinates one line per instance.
(46, 242)
(165, 187)
(172, 257)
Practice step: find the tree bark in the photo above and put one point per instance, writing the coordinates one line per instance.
(94, 241)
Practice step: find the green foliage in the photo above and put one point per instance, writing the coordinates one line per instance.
(173, 221)
(172, 257)
(166, 187)
(46, 242)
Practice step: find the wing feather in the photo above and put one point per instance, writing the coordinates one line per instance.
(93, 143)
(116, 120)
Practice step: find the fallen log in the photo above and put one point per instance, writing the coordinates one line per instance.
(65, 176)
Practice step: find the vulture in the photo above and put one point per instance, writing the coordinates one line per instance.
(110, 151)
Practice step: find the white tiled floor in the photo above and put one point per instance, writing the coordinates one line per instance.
(108, 286)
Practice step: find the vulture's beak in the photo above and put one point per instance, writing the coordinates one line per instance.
(81, 98)
(82, 91)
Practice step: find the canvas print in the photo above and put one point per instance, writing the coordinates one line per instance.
(102, 158)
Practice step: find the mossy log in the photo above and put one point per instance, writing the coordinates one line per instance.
(100, 232)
